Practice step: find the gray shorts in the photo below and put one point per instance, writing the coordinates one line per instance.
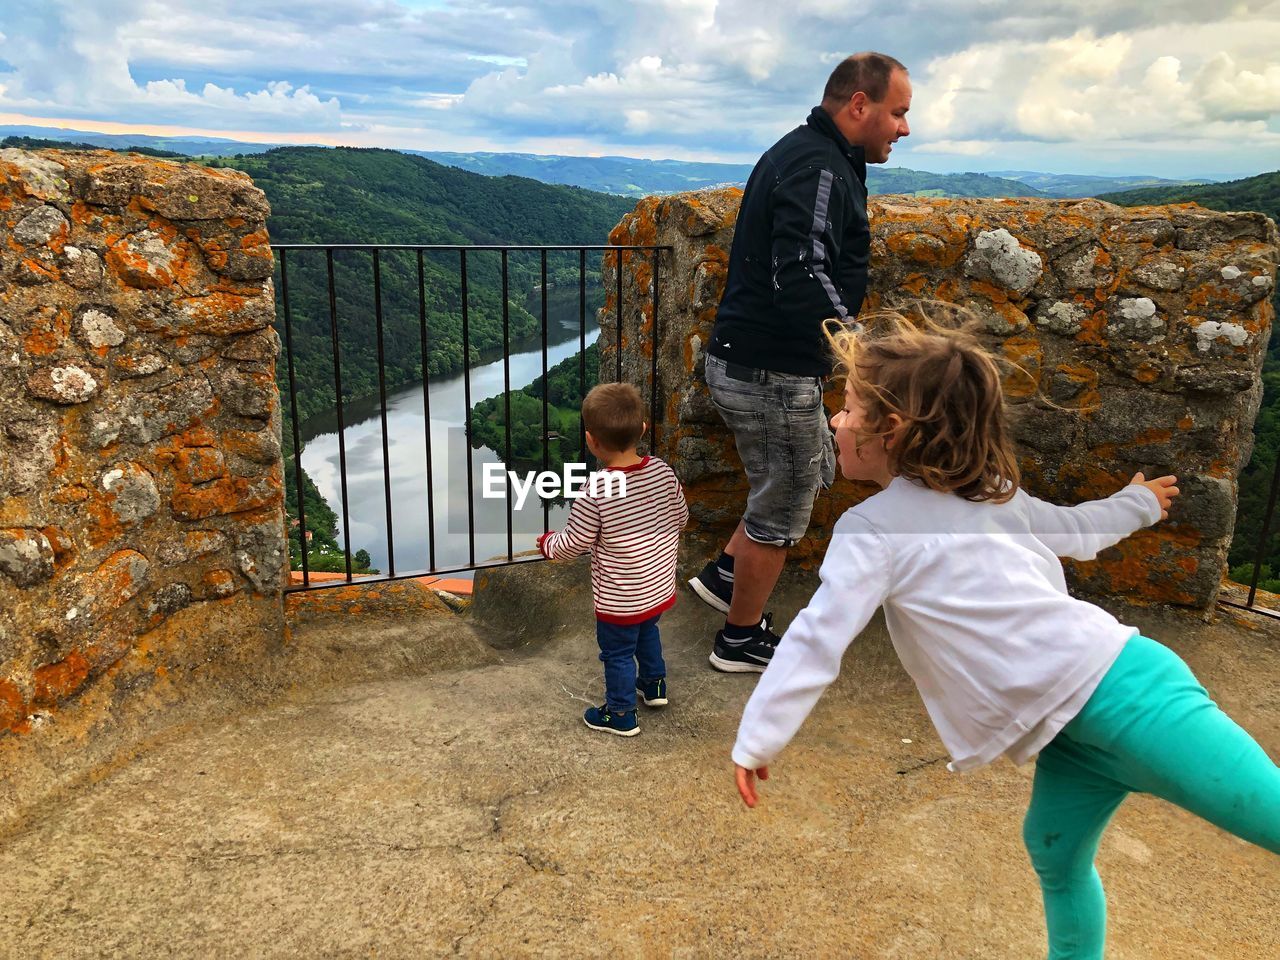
(784, 442)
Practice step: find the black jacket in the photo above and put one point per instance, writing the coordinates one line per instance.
(800, 252)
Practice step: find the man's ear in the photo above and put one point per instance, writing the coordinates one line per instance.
(857, 105)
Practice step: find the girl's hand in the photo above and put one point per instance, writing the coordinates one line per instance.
(1162, 487)
(746, 782)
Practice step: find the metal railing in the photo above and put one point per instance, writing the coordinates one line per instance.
(1260, 552)
(292, 256)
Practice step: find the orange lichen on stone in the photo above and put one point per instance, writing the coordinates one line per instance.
(918, 247)
(914, 284)
(1150, 564)
(950, 291)
(1187, 422)
(49, 329)
(72, 493)
(103, 526)
(1026, 358)
(997, 295)
(1153, 437)
(64, 547)
(13, 709)
(57, 681)
(1147, 372)
(117, 578)
(199, 464)
(221, 497)
(1087, 378)
(219, 583)
(134, 269)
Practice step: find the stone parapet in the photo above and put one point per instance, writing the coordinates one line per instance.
(1138, 337)
(141, 496)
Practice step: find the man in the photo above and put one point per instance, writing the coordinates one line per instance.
(799, 257)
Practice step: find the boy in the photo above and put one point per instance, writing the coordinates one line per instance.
(631, 527)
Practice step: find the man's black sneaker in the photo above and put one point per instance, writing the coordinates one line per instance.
(653, 692)
(749, 656)
(711, 588)
(602, 719)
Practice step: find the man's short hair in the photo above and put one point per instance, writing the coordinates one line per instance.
(614, 413)
(868, 71)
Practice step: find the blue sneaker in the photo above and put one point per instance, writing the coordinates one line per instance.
(653, 692)
(619, 724)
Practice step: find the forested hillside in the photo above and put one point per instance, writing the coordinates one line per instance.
(1261, 193)
(342, 195)
(570, 382)
(354, 196)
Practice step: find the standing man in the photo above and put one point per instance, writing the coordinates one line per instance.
(799, 258)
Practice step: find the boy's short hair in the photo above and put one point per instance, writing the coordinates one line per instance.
(614, 413)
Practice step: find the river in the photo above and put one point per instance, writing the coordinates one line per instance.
(406, 444)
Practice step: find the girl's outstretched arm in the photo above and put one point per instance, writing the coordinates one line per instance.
(856, 579)
(1080, 532)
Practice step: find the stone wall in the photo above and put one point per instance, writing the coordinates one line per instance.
(1152, 321)
(141, 496)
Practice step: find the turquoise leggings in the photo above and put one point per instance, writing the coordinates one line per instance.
(1149, 727)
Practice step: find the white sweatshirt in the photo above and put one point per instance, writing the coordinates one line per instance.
(977, 607)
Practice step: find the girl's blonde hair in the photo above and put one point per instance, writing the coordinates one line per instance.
(933, 373)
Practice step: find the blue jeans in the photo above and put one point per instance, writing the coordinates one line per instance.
(780, 429)
(621, 648)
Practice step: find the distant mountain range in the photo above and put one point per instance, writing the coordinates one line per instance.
(1076, 185)
(186, 146)
(632, 177)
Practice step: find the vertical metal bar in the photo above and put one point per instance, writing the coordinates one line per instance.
(618, 302)
(466, 413)
(546, 395)
(506, 390)
(582, 350)
(653, 349)
(337, 386)
(382, 408)
(426, 413)
(293, 416)
(1266, 529)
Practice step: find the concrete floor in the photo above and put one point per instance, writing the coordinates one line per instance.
(469, 812)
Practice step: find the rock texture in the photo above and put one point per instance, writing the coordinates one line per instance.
(135, 349)
(1135, 339)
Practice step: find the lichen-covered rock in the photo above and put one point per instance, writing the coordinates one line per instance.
(1063, 318)
(66, 383)
(131, 492)
(26, 556)
(1135, 319)
(40, 226)
(80, 268)
(96, 328)
(35, 175)
(1106, 377)
(127, 286)
(997, 255)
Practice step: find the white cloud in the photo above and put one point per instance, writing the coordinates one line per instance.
(1141, 85)
(661, 77)
(960, 148)
(1239, 93)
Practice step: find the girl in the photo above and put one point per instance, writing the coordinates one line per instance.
(966, 567)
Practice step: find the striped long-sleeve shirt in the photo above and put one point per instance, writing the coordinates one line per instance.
(632, 540)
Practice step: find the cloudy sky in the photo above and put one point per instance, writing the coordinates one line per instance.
(1177, 88)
